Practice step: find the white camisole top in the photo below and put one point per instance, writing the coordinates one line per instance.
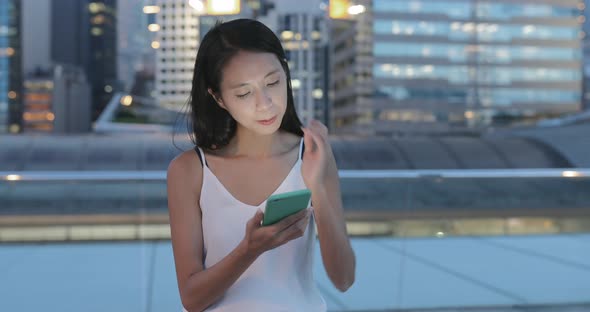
(281, 279)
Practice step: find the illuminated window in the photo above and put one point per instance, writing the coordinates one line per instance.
(223, 7)
(97, 20)
(95, 31)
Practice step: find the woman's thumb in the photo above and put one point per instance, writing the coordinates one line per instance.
(258, 216)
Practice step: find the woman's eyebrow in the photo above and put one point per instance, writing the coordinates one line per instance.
(271, 72)
(239, 85)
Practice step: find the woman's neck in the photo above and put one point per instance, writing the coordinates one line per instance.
(251, 145)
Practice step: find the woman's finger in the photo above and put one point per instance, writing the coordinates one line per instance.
(256, 219)
(294, 231)
(289, 221)
(307, 139)
(320, 128)
(317, 139)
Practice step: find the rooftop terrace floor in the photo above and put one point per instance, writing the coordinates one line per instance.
(547, 273)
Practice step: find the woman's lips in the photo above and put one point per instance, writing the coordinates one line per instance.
(267, 121)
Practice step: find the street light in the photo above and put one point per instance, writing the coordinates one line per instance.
(126, 100)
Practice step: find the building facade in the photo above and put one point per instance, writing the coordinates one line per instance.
(446, 65)
(91, 44)
(57, 101)
(586, 55)
(352, 83)
(181, 25)
(71, 96)
(38, 115)
(10, 67)
(176, 44)
(302, 27)
(36, 36)
(135, 56)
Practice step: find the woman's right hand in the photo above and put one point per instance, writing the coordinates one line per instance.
(259, 239)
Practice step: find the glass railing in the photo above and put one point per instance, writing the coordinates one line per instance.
(466, 202)
(129, 205)
(424, 240)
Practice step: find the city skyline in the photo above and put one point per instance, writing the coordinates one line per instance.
(389, 68)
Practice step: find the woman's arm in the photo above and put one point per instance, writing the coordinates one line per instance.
(199, 288)
(337, 254)
(322, 178)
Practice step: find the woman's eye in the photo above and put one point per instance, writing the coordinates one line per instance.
(273, 83)
(243, 95)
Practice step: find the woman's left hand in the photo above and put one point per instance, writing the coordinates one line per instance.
(320, 175)
(317, 157)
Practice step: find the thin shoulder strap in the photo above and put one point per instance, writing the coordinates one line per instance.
(201, 156)
(301, 148)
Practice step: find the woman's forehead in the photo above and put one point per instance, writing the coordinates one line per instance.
(247, 66)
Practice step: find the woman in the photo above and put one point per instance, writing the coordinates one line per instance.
(250, 145)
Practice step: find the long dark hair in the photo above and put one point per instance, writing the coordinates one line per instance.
(212, 126)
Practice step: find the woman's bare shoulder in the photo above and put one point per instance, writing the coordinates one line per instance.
(186, 166)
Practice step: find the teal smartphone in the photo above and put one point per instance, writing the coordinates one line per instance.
(282, 205)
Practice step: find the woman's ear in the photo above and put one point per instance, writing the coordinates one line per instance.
(216, 98)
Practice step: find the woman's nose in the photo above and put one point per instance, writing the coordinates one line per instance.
(264, 101)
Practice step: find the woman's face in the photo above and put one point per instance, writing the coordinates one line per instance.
(254, 91)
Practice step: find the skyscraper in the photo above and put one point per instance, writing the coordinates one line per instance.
(71, 99)
(38, 112)
(303, 30)
(90, 43)
(176, 44)
(438, 66)
(351, 82)
(36, 36)
(135, 56)
(57, 101)
(10, 66)
(177, 41)
(586, 55)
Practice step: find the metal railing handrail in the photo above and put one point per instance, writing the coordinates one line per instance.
(160, 175)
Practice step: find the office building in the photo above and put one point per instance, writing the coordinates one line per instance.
(135, 56)
(176, 43)
(586, 56)
(442, 66)
(302, 27)
(10, 66)
(90, 44)
(38, 115)
(351, 82)
(57, 101)
(36, 36)
(178, 24)
(71, 96)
